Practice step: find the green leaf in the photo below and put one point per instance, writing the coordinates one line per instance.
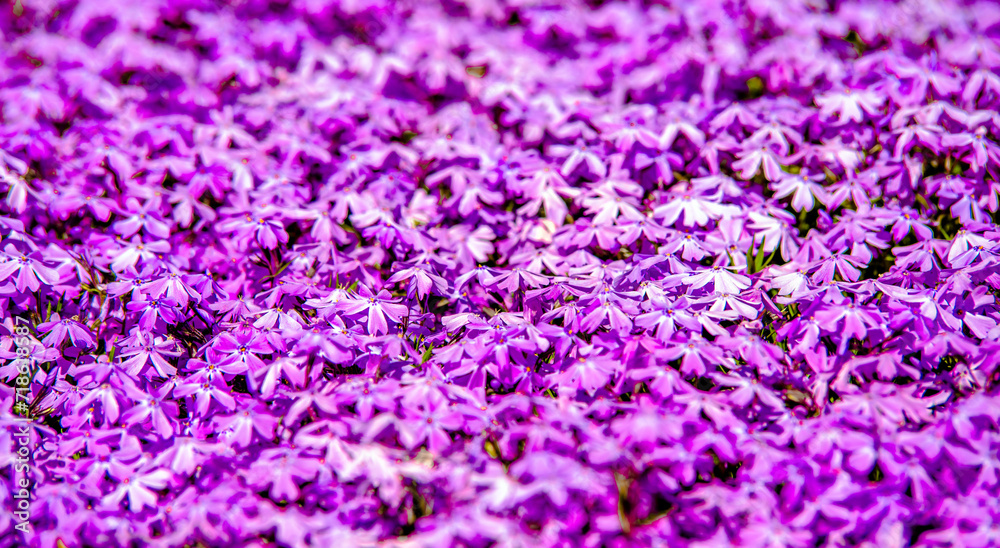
(758, 256)
(770, 257)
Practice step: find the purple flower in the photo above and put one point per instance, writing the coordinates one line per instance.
(154, 310)
(377, 307)
(59, 328)
(240, 352)
(366, 273)
(27, 269)
(139, 487)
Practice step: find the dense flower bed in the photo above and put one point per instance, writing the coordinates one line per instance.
(501, 273)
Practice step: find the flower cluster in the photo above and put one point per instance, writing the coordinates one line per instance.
(503, 272)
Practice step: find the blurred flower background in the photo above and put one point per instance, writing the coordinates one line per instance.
(501, 272)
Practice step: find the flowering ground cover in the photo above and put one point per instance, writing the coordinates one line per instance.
(499, 273)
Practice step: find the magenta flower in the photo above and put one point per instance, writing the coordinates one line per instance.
(487, 273)
(849, 105)
(240, 352)
(586, 373)
(138, 217)
(722, 280)
(139, 487)
(143, 349)
(803, 189)
(59, 328)
(377, 306)
(27, 269)
(153, 310)
(760, 157)
(429, 425)
(205, 392)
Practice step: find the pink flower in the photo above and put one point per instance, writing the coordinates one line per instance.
(850, 104)
(756, 156)
(804, 188)
(697, 210)
(722, 280)
(140, 487)
(378, 307)
(28, 269)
